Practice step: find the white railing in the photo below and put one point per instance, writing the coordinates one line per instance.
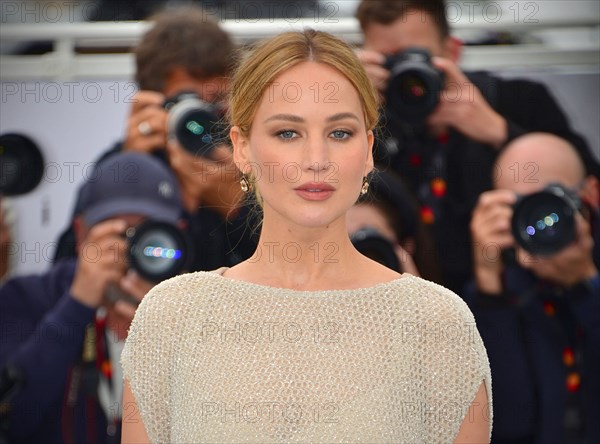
(581, 48)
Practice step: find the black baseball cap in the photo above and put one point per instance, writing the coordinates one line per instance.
(130, 183)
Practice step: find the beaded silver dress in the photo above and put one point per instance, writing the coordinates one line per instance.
(213, 359)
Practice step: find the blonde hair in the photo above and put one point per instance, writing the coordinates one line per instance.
(272, 57)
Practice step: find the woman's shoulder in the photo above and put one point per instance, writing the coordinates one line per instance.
(184, 289)
(434, 298)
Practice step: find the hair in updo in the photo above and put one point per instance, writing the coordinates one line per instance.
(274, 56)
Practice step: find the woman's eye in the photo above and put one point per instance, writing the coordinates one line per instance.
(341, 134)
(286, 134)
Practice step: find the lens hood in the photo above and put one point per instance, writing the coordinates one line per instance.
(193, 123)
(21, 164)
(543, 223)
(415, 85)
(158, 250)
(372, 244)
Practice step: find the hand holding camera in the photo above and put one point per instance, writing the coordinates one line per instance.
(550, 235)
(491, 231)
(154, 250)
(418, 88)
(147, 123)
(184, 117)
(102, 262)
(463, 107)
(374, 62)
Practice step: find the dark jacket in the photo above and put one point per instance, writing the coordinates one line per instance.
(43, 331)
(540, 341)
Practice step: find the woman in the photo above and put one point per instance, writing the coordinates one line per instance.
(308, 340)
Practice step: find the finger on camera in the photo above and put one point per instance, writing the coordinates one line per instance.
(135, 285)
(451, 70)
(156, 117)
(495, 206)
(496, 197)
(145, 98)
(109, 227)
(368, 56)
(488, 215)
(379, 76)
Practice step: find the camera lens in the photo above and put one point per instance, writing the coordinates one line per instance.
(193, 123)
(544, 223)
(21, 165)
(415, 85)
(412, 88)
(157, 250)
(369, 242)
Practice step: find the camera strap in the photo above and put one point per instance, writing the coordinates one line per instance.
(83, 385)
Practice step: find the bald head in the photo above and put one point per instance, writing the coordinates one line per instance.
(534, 160)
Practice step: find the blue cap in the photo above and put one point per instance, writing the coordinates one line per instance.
(130, 183)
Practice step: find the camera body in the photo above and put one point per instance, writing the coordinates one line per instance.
(543, 223)
(192, 122)
(158, 250)
(415, 84)
(372, 244)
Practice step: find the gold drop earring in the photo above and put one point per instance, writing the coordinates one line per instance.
(245, 184)
(365, 186)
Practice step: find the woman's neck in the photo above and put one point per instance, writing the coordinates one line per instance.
(303, 257)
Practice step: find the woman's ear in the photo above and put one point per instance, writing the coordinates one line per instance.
(241, 153)
(370, 162)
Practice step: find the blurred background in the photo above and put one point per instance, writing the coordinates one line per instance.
(66, 77)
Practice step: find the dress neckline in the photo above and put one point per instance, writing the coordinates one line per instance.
(379, 286)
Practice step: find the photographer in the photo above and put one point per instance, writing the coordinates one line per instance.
(384, 225)
(184, 60)
(63, 331)
(538, 309)
(446, 150)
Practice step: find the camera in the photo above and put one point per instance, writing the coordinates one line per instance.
(543, 223)
(158, 250)
(193, 123)
(21, 164)
(415, 84)
(372, 244)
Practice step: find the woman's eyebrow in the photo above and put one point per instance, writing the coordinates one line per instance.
(297, 119)
(286, 117)
(341, 116)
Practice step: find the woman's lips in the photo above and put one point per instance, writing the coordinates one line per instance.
(315, 191)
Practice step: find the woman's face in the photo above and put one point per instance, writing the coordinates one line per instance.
(308, 148)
